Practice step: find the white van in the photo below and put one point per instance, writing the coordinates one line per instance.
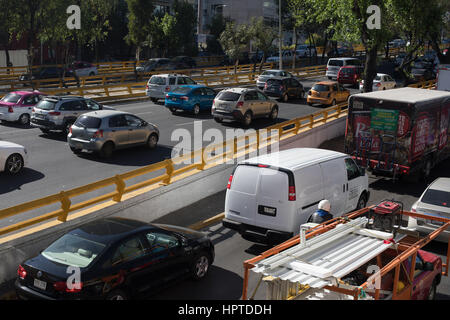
(161, 84)
(270, 196)
(334, 64)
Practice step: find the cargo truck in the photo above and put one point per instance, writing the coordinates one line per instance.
(399, 132)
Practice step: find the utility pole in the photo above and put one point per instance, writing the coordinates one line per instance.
(279, 35)
(199, 22)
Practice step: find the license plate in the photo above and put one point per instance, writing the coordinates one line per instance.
(268, 211)
(39, 116)
(40, 284)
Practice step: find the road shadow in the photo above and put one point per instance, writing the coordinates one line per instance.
(220, 284)
(15, 125)
(11, 183)
(256, 249)
(57, 136)
(136, 156)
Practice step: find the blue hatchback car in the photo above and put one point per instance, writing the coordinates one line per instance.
(190, 98)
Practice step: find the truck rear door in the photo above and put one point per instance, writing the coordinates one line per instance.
(443, 77)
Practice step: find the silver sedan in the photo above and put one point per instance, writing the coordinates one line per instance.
(104, 131)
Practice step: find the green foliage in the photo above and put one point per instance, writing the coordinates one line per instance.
(235, 39)
(262, 35)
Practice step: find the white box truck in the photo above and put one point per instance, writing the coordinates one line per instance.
(270, 196)
(443, 77)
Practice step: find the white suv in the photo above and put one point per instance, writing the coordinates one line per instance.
(161, 84)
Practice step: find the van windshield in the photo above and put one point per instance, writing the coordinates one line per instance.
(336, 63)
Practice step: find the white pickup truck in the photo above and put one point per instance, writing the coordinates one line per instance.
(443, 77)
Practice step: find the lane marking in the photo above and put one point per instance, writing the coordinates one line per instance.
(192, 122)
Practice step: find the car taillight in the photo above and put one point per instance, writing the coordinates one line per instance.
(240, 104)
(229, 182)
(10, 109)
(265, 85)
(378, 84)
(167, 89)
(146, 87)
(167, 96)
(184, 98)
(54, 113)
(21, 272)
(326, 69)
(292, 196)
(70, 130)
(33, 110)
(62, 286)
(98, 134)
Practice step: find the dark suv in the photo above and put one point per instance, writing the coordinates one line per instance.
(284, 88)
(58, 113)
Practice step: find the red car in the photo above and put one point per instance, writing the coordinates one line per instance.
(350, 75)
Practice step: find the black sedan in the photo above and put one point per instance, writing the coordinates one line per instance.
(284, 88)
(114, 259)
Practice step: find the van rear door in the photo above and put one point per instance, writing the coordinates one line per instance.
(259, 196)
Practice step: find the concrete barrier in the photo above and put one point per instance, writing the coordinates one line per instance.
(151, 205)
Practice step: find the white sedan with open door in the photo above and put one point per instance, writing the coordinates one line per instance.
(13, 157)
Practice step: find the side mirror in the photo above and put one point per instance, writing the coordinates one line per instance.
(144, 124)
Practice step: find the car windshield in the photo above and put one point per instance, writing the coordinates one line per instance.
(182, 90)
(46, 105)
(158, 80)
(336, 63)
(269, 73)
(347, 70)
(320, 87)
(437, 197)
(228, 96)
(274, 82)
(73, 250)
(88, 122)
(11, 97)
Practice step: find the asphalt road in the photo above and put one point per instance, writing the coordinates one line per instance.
(53, 167)
(226, 274)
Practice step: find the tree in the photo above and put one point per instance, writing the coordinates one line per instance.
(263, 37)
(216, 27)
(140, 23)
(185, 27)
(234, 41)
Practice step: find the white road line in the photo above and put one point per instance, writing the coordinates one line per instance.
(143, 113)
(192, 122)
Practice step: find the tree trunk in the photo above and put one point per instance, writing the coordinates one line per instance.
(262, 62)
(8, 59)
(294, 56)
(325, 45)
(370, 67)
(236, 65)
(386, 52)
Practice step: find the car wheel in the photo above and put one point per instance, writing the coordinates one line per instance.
(274, 113)
(154, 100)
(14, 164)
(107, 150)
(196, 110)
(152, 141)
(247, 118)
(24, 119)
(75, 150)
(200, 267)
(117, 295)
(361, 202)
(173, 110)
(218, 120)
(432, 293)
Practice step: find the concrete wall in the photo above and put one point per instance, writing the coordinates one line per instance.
(152, 205)
(18, 58)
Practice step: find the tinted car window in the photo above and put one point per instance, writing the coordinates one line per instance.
(11, 97)
(228, 96)
(129, 250)
(189, 81)
(437, 198)
(158, 80)
(336, 63)
(172, 81)
(92, 105)
(73, 250)
(320, 87)
(117, 121)
(181, 80)
(295, 83)
(262, 96)
(88, 122)
(29, 100)
(46, 105)
(133, 121)
(252, 95)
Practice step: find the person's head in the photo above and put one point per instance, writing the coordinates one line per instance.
(325, 205)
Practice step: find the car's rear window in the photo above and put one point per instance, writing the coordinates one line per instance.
(228, 96)
(158, 80)
(11, 98)
(437, 198)
(270, 73)
(46, 105)
(320, 87)
(182, 90)
(274, 82)
(88, 122)
(73, 250)
(336, 63)
(347, 70)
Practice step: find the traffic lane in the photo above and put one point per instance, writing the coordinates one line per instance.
(53, 165)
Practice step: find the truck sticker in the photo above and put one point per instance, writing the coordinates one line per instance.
(443, 136)
(403, 124)
(421, 131)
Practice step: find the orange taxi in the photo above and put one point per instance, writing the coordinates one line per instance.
(327, 93)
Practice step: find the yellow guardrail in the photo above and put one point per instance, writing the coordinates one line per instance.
(169, 170)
